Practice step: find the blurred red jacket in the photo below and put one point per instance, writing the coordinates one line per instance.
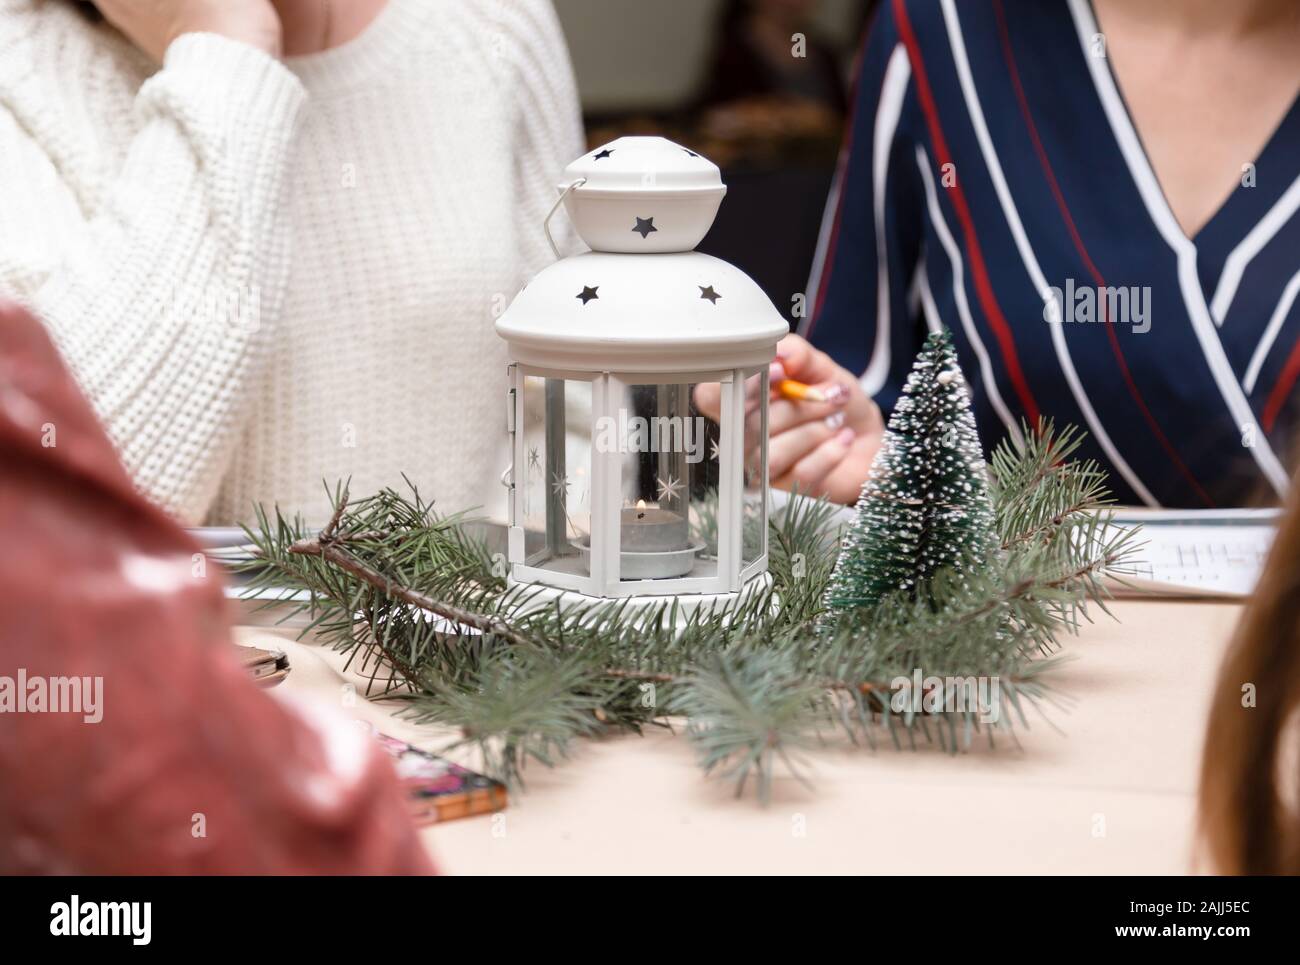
(180, 765)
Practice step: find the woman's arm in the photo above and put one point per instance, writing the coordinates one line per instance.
(871, 238)
(158, 287)
(548, 122)
(861, 335)
(152, 25)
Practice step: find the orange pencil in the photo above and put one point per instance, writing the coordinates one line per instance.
(798, 392)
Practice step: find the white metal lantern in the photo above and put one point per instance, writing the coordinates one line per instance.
(619, 486)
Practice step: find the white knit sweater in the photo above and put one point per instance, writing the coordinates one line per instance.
(266, 276)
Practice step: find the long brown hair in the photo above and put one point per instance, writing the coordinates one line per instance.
(1250, 770)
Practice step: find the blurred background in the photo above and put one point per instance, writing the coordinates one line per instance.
(726, 79)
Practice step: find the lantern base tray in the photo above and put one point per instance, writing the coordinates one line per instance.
(540, 595)
(649, 565)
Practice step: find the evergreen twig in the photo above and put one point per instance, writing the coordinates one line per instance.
(761, 681)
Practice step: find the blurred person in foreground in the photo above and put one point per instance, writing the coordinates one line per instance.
(1250, 767)
(270, 237)
(137, 744)
(1102, 202)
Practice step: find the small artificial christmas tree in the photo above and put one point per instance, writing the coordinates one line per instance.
(925, 504)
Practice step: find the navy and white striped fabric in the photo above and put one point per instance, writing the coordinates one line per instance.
(992, 181)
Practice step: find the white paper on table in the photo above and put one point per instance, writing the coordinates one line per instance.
(1198, 552)
(1180, 552)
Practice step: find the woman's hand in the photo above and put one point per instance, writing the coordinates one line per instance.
(153, 24)
(819, 448)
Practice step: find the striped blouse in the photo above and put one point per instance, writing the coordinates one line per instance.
(992, 182)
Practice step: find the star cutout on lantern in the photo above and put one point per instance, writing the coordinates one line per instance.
(587, 293)
(644, 226)
(559, 484)
(709, 293)
(668, 490)
(534, 459)
(714, 451)
(603, 152)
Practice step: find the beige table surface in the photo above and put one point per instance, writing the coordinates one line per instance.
(1112, 792)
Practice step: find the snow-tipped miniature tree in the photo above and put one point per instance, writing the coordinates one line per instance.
(925, 505)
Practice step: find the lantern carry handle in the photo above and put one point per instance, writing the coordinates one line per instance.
(546, 225)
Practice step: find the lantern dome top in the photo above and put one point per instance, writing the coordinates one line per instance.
(677, 312)
(644, 164)
(642, 195)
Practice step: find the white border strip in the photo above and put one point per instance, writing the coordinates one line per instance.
(931, 311)
(898, 74)
(959, 297)
(1270, 333)
(1234, 266)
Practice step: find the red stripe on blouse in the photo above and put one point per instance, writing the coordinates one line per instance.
(979, 272)
(1282, 390)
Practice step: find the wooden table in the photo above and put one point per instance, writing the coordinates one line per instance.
(1112, 791)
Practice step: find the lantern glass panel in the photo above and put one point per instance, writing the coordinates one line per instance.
(753, 530)
(555, 499)
(670, 456)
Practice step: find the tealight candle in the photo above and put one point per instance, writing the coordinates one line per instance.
(652, 529)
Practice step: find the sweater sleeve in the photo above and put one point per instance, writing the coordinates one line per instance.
(158, 291)
(548, 125)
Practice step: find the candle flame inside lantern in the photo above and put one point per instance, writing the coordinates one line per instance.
(640, 504)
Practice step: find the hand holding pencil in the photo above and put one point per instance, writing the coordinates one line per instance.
(798, 391)
(823, 429)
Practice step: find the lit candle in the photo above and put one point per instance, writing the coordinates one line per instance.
(651, 529)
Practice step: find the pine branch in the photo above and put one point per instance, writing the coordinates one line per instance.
(344, 560)
(758, 682)
(520, 705)
(745, 714)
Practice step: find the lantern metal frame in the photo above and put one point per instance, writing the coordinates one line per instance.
(604, 580)
(641, 311)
